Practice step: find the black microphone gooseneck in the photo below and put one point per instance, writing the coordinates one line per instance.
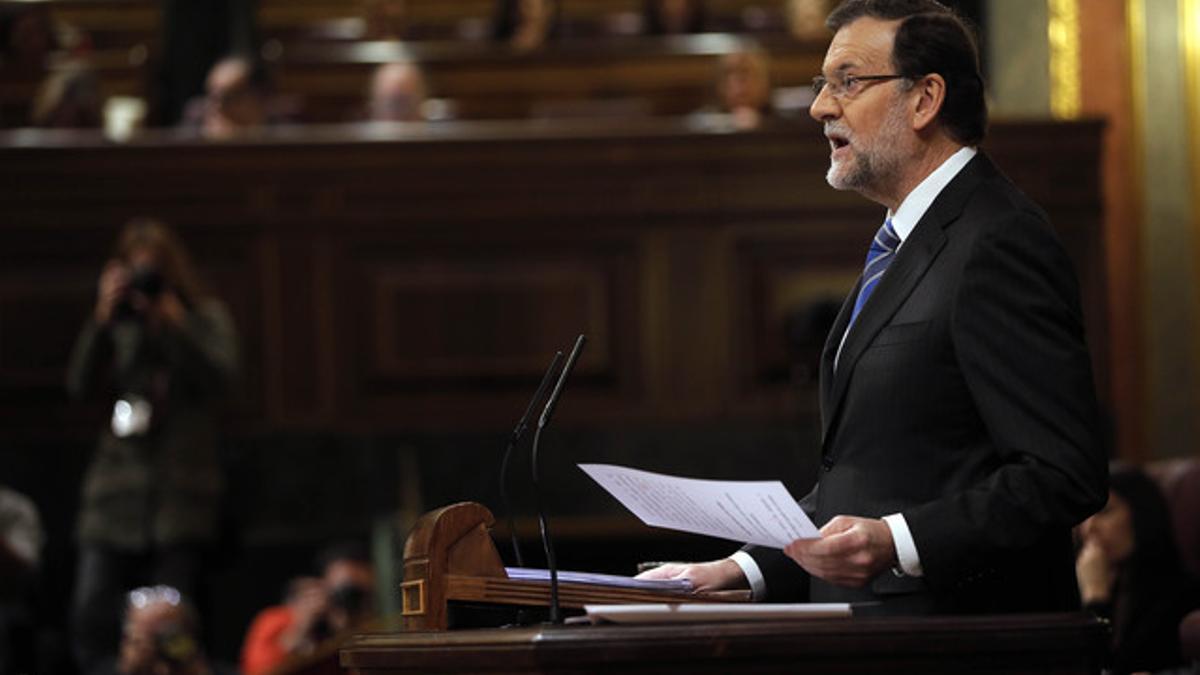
(517, 433)
(547, 542)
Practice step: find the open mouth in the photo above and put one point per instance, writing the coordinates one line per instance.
(837, 142)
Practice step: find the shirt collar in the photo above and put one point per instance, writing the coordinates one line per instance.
(914, 206)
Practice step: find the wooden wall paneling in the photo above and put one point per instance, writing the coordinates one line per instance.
(681, 253)
(230, 259)
(304, 388)
(460, 331)
(696, 369)
(48, 282)
(42, 308)
(791, 281)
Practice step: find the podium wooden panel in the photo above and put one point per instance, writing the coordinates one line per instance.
(1058, 644)
(450, 557)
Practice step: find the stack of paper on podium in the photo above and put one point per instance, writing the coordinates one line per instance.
(596, 579)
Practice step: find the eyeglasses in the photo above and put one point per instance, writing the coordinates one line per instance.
(848, 87)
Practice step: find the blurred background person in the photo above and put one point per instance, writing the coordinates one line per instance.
(742, 92)
(526, 24)
(288, 630)
(69, 98)
(235, 98)
(316, 610)
(21, 540)
(1130, 572)
(744, 87)
(674, 17)
(161, 635)
(195, 35)
(397, 93)
(805, 19)
(162, 353)
(350, 580)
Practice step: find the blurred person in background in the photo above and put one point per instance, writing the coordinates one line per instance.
(742, 92)
(1130, 572)
(69, 98)
(195, 35)
(161, 635)
(744, 87)
(235, 98)
(316, 610)
(161, 352)
(674, 17)
(397, 93)
(286, 631)
(21, 539)
(526, 24)
(350, 580)
(805, 19)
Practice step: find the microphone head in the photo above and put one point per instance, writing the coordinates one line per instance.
(562, 380)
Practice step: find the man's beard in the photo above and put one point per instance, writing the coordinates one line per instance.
(872, 166)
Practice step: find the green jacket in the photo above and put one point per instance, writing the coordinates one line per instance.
(163, 487)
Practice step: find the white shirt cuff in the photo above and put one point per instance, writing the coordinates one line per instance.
(906, 548)
(758, 585)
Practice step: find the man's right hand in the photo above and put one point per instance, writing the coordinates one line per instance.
(717, 575)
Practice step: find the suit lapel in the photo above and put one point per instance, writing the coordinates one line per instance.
(832, 342)
(902, 276)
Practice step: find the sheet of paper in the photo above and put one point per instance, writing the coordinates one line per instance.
(688, 612)
(755, 512)
(596, 579)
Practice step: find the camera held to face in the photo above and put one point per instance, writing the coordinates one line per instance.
(147, 283)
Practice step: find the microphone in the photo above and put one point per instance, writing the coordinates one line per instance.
(547, 542)
(517, 433)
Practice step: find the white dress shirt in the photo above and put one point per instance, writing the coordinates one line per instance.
(904, 220)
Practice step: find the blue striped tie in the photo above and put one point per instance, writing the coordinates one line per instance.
(879, 256)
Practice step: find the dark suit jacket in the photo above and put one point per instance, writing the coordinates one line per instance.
(963, 399)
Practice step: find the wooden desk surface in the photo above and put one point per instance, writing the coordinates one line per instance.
(1050, 643)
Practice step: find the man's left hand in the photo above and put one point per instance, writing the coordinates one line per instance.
(850, 552)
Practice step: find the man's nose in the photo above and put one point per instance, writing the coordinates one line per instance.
(824, 107)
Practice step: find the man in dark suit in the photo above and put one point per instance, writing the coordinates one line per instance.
(960, 424)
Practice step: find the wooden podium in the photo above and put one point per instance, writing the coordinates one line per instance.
(450, 557)
(1059, 644)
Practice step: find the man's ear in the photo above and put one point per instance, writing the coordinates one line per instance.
(930, 96)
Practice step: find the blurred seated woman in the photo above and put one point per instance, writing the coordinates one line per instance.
(526, 24)
(1130, 572)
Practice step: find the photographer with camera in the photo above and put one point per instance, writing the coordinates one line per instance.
(161, 635)
(317, 611)
(162, 352)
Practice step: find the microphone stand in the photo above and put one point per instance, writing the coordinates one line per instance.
(517, 433)
(543, 526)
